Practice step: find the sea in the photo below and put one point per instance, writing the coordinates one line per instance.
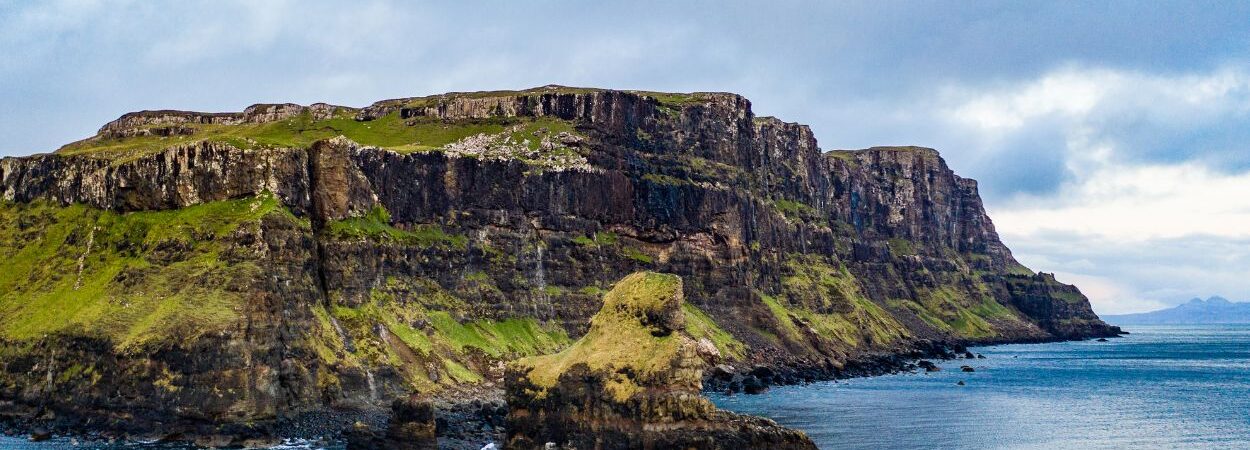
(1160, 387)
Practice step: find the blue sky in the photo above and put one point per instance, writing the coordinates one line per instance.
(1112, 140)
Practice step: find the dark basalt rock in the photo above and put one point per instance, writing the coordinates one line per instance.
(746, 209)
(967, 369)
(411, 427)
(928, 366)
(40, 435)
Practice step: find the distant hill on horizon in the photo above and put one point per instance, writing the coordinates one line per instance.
(1215, 309)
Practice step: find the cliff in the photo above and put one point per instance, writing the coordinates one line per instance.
(221, 272)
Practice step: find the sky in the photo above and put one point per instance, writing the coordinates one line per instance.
(1111, 138)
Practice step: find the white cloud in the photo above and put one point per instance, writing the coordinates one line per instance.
(1081, 98)
(1135, 232)
(1109, 296)
(1137, 203)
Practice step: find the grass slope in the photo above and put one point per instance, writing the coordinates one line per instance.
(138, 279)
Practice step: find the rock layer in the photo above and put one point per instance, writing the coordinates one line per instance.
(379, 269)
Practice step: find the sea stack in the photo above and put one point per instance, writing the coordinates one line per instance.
(632, 382)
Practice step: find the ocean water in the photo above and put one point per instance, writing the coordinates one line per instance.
(1162, 387)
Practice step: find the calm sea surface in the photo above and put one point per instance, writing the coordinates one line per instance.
(1160, 387)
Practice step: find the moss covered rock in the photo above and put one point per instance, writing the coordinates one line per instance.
(632, 381)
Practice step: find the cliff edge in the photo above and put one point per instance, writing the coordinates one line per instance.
(226, 272)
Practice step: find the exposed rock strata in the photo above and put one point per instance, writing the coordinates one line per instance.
(805, 262)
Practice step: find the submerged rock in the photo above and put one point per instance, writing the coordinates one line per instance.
(633, 381)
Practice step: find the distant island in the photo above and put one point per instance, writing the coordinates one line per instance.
(1197, 311)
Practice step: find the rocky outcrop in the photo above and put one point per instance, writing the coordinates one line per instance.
(632, 382)
(410, 427)
(382, 263)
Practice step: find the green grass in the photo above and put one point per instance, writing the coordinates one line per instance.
(900, 247)
(700, 325)
(424, 327)
(637, 255)
(828, 299)
(606, 238)
(585, 241)
(795, 210)
(618, 344)
(664, 180)
(966, 314)
(148, 279)
(376, 225)
(390, 132)
(675, 100)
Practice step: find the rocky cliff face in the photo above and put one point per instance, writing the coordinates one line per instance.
(239, 268)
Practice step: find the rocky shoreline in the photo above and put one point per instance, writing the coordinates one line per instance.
(473, 422)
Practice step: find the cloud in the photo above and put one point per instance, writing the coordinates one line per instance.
(1136, 204)
(1132, 221)
(1110, 140)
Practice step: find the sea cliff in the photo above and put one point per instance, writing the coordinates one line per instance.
(225, 273)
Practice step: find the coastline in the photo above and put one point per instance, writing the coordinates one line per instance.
(471, 420)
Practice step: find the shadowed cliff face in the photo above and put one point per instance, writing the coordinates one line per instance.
(441, 235)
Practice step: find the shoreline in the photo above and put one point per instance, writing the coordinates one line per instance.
(471, 422)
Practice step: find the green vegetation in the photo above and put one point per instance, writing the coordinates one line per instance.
(968, 315)
(606, 238)
(700, 325)
(846, 156)
(795, 210)
(664, 180)
(584, 241)
(139, 280)
(376, 225)
(619, 342)
(423, 330)
(675, 100)
(637, 255)
(828, 300)
(390, 132)
(591, 290)
(900, 247)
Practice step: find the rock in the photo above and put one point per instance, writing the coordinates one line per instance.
(485, 228)
(1101, 339)
(412, 426)
(968, 355)
(967, 369)
(623, 386)
(40, 435)
(980, 356)
(928, 366)
(960, 383)
(707, 350)
(722, 372)
(752, 385)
